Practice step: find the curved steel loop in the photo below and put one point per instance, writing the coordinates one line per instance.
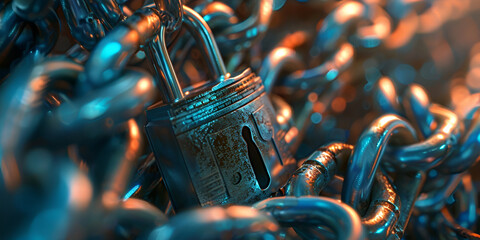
(416, 105)
(137, 219)
(404, 32)
(25, 42)
(108, 11)
(20, 35)
(287, 122)
(324, 73)
(238, 222)
(330, 36)
(112, 53)
(147, 184)
(278, 60)
(40, 35)
(386, 96)
(119, 170)
(434, 201)
(284, 112)
(467, 109)
(335, 27)
(467, 202)
(374, 35)
(219, 16)
(165, 72)
(459, 231)
(46, 32)
(400, 9)
(11, 26)
(243, 35)
(78, 53)
(133, 218)
(22, 98)
(436, 148)
(315, 211)
(32, 10)
(110, 176)
(207, 42)
(367, 155)
(337, 23)
(101, 109)
(113, 166)
(231, 35)
(318, 170)
(408, 185)
(383, 212)
(171, 12)
(85, 27)
(468, 151)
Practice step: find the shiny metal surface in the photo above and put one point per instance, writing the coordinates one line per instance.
(163, 66)
(338, 22)
(222, 136)
(86, 28)
(112, 53)
(242, 119)
(108, 10)
(416, 104)
(409, 187)
(47, 28)
(317, 211)
(11, 25)
(383, 211)
(172, 13)
(247, 166)
(367, 155)
(203, 35)
(464, 156)
(240, 36)
(133, 92)
(219, 15)
(22, 99)
(32, 10)
(318, 170)
(277, 60)
(213, 222)
(433, 150)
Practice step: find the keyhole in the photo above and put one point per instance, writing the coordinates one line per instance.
(259, 168)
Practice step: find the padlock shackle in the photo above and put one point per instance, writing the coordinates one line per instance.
(170, 87)
(203, 35)
(199, 29)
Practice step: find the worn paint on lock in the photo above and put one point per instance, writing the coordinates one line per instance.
(226, 149)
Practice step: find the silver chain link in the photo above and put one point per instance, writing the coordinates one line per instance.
(377, 100)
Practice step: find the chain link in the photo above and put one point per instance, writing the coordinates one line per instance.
(381, 95)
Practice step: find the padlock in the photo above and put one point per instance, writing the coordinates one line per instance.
(217, 144)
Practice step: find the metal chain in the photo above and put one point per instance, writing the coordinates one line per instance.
(348, 80)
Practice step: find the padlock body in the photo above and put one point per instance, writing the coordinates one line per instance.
(220, 146)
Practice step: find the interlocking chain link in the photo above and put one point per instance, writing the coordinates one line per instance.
(377, 100)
